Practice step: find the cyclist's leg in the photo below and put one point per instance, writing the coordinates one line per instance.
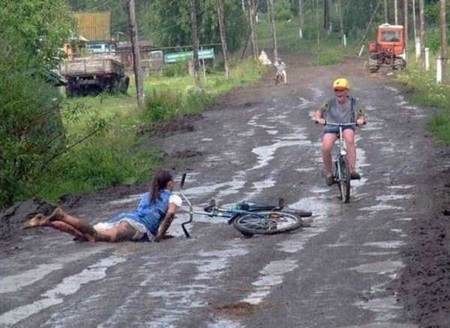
(328, 141)
(349, 137)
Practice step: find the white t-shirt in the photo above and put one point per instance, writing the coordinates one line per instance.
(176, 200)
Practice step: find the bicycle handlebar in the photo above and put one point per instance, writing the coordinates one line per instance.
(183, 178)
(342, 124)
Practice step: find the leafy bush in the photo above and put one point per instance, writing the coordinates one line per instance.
(176, 69)
(30, 130)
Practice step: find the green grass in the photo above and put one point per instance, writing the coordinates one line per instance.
(426, 92)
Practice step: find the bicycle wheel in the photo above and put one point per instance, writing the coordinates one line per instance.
(266, 223)
(344, 179)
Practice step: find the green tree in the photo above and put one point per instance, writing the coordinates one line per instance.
(31, 35)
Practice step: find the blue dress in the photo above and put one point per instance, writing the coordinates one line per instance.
(149, 214)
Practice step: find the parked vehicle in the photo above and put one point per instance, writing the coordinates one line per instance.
(94, 75)
(158, 59)
(389, 48)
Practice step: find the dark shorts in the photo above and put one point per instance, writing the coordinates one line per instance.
(335, 129)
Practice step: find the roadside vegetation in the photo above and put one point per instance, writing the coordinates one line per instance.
(426, 92)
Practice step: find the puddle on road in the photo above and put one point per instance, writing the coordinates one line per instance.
(402, 187)
(225, 324)
(265, 184)
(266, 153)
(380, 267)
(14, 283)
(381, 207)
(216, 262)
(177, 301)
(69, 286)
(386, 310)
(387, 198)
(272, 275)
(386, 244)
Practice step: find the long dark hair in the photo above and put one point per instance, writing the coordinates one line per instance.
(159, 183)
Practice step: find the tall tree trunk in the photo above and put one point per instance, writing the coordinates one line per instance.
(272, 28)
(251, 18)
(326, 15)
(195, 44)
(414, 19)
(341, 19)
(136, 53)
(422, 32)
(223, 38)
(301, 14)
(317, 21)
(444, 51)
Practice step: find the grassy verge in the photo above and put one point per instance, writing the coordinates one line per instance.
(103, 144)
(429, 93)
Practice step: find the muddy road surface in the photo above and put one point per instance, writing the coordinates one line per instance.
(380, 261)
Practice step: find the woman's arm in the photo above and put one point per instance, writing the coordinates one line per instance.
(175, 201)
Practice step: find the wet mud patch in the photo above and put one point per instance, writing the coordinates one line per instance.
(12, 219)
(187, 153)
(181, 124)
(241, 309)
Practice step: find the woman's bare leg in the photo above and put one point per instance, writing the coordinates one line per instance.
(79, 228)
(64, 227)
(80, 225)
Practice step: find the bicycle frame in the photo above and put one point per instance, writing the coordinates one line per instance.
(342, 169)
(232, 213)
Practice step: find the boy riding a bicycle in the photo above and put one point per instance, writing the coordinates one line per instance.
(342, 108)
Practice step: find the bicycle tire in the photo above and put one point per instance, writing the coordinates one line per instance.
(266, 223)
(344, 179)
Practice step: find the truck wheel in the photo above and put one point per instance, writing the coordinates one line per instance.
(71, 92)
(124, 83)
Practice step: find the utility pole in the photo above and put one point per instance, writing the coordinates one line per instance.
(195, 44)
(272, 28)
(385, 11)
(395, 12)
(405, 27)
(223, 38)
(136, 53)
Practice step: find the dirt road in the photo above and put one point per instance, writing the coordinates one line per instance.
(380, 261)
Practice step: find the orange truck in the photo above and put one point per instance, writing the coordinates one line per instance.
(389, 48)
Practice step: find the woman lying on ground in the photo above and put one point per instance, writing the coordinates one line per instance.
(149, 222)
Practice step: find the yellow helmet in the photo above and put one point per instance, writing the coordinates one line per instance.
(341, 83)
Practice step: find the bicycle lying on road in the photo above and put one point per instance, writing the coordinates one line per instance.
(250, 218)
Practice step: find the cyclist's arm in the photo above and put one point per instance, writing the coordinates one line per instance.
(319, 116)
